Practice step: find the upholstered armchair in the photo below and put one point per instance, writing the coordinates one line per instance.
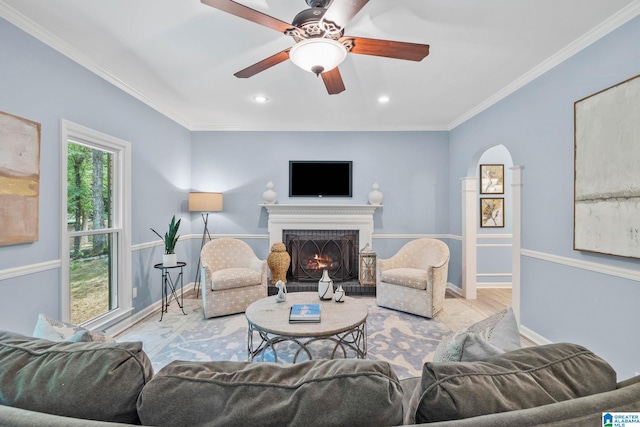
(414, 280)
(232, 277)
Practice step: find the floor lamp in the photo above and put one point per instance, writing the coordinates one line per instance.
(204, 203)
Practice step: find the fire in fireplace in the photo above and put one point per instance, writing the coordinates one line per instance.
(313, 251)
(321, 262)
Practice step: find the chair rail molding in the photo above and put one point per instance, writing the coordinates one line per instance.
(623, 273)
(14, 272)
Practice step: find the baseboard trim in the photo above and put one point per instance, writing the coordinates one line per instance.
(153, 309)
(533, 336)
(493, 285)
(455, 289)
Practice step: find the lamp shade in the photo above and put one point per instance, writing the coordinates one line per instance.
(318, 55)
(205, 202)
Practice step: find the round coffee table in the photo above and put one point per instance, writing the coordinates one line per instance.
(342, 326)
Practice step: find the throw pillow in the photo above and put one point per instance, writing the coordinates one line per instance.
(88, 380)
(488, 337)
(55, 330)
(349, 392)
(520, 379)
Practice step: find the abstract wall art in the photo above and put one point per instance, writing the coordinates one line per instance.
(492, 212)
(19, 179)
(491, 179)
(607, 171)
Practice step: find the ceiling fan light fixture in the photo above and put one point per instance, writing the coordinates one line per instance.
(318, 55)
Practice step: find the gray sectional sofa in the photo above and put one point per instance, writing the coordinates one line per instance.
(45, 383)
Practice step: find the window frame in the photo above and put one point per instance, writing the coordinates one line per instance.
(121, 229)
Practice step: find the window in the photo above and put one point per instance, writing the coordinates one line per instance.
(96, 218)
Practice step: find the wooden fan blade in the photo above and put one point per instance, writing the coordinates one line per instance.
(333, 81)
(250, 14)
(340, 13)
(263, 65)
(388, 48)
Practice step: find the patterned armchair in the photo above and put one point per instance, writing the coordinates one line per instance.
(232, 277)
(414, 280)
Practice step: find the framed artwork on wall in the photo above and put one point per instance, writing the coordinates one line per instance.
(19, 179)
(606, 172)
(492, 212)
(491, 179)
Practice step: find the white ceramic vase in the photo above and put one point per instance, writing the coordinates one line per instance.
(282, 291)
(338, 295)
(269, 196)
(325, 286)
(169, 260)
(375, 195)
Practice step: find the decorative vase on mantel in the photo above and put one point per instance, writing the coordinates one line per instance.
(269, 196)
(169, 260)
(375, 195)
(325, 286)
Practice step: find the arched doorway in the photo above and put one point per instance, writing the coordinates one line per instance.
(491, 250)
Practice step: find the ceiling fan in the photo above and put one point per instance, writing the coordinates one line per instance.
(320, 41)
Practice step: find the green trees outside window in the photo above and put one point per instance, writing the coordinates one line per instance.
(89, 220)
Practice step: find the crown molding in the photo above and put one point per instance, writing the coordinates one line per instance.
(36, 31)
(321, 127)
(601, 30)
(615, 21)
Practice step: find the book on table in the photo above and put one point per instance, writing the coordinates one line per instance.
(304, 313)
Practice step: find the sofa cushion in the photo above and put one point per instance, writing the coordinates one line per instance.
(312, 393)
(525, 378)
(489, 337)
(90, 380)
(230, 278)
(55, 330)
(409, 277)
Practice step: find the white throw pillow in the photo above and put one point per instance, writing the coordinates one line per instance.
(55, 330)
(489, 337)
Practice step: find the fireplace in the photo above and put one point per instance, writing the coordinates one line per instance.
(313, 251)
(308, 217)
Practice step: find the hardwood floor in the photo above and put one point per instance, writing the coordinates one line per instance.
(488, 301)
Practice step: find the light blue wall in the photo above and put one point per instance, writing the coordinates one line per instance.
(410, 167)
(40, 84)
(560, 302)
(419, 174)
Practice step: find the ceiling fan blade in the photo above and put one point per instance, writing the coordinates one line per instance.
(340, 13)
(250, 14)
(258, 67)
(388, 48)
(333, 81)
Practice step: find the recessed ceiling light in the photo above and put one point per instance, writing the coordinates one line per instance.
(383, 99)
(260, 99)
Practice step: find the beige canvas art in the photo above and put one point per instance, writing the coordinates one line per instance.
(19, 179)
(607, 171)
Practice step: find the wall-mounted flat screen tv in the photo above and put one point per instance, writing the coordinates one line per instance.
(320, 178)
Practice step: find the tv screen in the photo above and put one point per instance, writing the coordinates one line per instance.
(320, 178)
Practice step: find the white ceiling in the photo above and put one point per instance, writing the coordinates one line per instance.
(179, 56)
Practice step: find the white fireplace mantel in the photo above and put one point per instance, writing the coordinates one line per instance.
(321, 217)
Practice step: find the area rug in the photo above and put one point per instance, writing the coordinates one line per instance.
(403, 340)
